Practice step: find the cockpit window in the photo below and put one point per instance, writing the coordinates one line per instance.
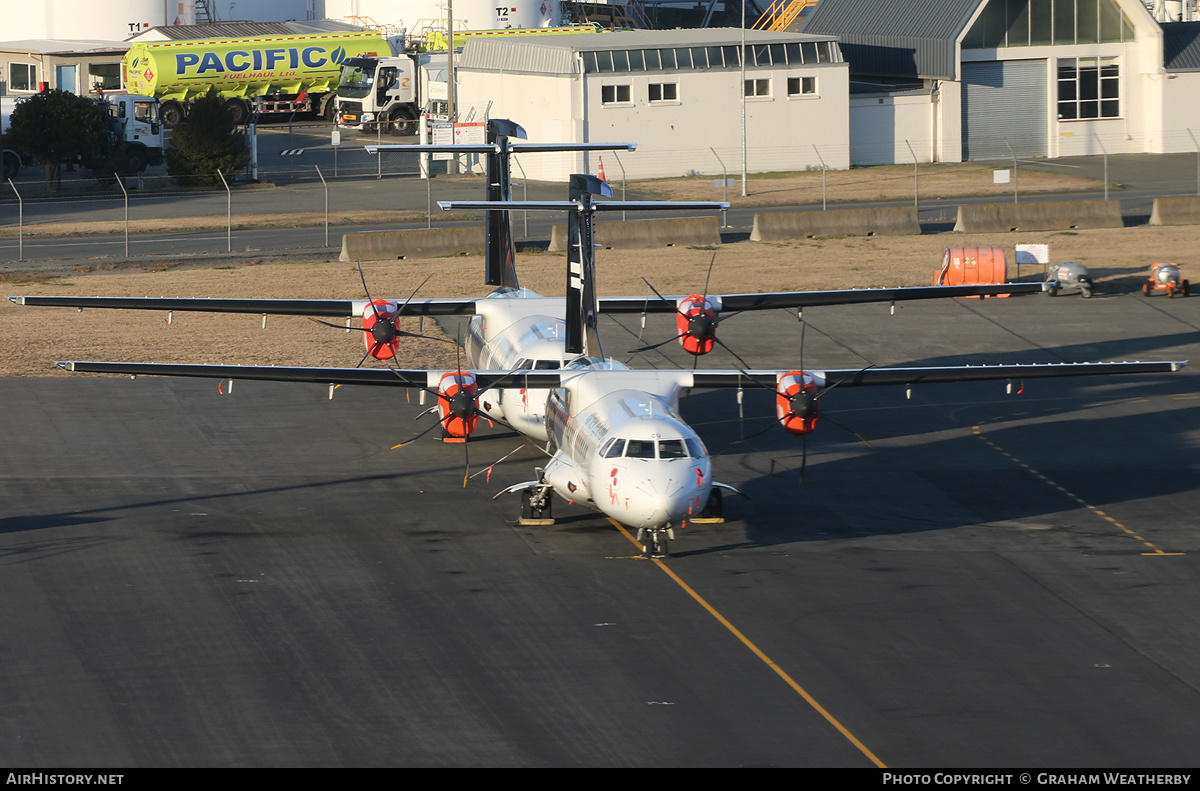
(546, 365)
(640, 449)
(671, 449)
(613, 449)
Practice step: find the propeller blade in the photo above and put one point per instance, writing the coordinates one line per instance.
(656, 345)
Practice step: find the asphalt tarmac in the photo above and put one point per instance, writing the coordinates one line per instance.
(257, 579)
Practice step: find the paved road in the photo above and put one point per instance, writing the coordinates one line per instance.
(1000, 580)
(295, 186)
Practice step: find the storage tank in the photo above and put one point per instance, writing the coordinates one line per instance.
(89, 20)
(468, 14)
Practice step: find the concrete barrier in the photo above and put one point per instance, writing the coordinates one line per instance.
(1060, 216)
(773, 226)
(1176, 211)
(391, 245)
(699, 231)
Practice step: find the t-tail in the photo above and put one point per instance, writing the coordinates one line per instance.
(583, 305)
(500, 257)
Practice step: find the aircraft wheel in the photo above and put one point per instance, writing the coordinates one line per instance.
(532, 509)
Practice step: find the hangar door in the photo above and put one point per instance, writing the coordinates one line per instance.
(1004, 99)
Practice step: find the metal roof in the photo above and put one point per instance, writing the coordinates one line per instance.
(901, 37)
(542, 54)
(241, 30)
(1181, 46)
(60, 46)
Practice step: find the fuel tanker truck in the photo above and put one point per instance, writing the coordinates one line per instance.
(264, 74)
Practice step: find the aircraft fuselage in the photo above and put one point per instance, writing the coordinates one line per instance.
(617, 441)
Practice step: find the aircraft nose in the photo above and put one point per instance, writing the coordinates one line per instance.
(665, 502)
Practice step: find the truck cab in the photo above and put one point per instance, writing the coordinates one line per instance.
(134, 133)
(391, 92)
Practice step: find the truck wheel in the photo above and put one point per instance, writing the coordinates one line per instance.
(12, 164)
(236, 110)
(171, 113)
(401, 122)
(135, 161)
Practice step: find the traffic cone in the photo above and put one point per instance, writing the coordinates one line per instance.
(601, 174)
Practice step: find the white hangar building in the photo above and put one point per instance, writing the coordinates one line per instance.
(957, 78)
(677, 94)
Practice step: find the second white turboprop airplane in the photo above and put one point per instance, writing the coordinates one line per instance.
(614, 434)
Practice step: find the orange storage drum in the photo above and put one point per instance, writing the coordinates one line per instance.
(969, 266)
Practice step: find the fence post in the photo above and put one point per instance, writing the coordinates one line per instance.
(916, 184)
(20, 222)
(126, 192)
(1197, 145)
(326, 188)
(824, 168)
(1014, 159)
(1105, 150)
(228, 213)
(525, 187)
(622, 166)
(724, 188)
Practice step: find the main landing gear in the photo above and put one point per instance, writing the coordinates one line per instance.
(537, 506)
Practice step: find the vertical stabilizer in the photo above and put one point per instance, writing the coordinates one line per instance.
(499, 260)
(583, 306)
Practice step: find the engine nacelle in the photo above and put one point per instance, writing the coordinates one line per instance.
(696, 320)
(380, 339)
(796, 402)
(456, 404)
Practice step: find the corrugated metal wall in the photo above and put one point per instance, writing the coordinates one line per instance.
(1004, 99)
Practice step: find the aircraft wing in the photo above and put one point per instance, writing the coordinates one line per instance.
(422, 378)
(275, 307)
(849, 377)
(387, 377)
(804, 299)
(336, 308)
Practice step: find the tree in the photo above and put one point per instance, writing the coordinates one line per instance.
(54, 126)
(206, 141)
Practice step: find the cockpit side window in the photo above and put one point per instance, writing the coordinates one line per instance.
(695, 448)
(613, 449)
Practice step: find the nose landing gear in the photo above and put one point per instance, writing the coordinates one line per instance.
(655, 541)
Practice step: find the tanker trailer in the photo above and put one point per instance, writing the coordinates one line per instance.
(264, 74)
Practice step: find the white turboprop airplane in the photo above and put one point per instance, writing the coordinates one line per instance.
(614, 434)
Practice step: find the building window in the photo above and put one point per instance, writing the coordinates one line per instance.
(1022, 23)
(22, 76)
(664, 92)
(802, 86)
(758, 87)
(1088, 88)
(615, 94)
